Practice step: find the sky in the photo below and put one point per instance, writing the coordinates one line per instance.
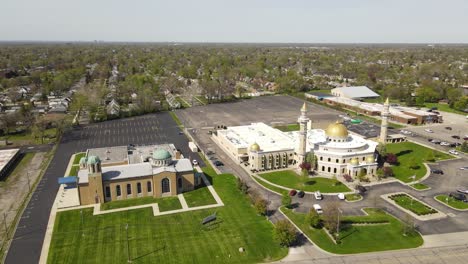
(282, 21)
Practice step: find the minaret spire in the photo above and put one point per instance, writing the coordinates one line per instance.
(302, 120)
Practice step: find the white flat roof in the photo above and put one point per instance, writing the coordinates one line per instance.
(5, 156)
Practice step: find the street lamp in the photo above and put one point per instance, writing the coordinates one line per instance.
(338, 226)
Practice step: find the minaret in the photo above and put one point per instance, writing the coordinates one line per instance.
(302, 120)
(383, 128)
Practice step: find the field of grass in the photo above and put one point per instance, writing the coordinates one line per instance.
(412, 205)
(406, 151)
(292, 180)
(271, 187)
(165, 203)
(287, 128)
(420, 186)
(360, 238)
(452, 202)
(199, 197)
(444, 108)
(353, 197)
(176, 238)
(27, 138)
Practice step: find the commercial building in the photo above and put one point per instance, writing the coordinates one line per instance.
(8, 158)
(354, 92)
(261, 147)
(118, 173)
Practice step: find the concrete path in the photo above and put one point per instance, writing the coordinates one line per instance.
(182, 201)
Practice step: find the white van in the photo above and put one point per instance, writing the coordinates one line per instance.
(317, 208)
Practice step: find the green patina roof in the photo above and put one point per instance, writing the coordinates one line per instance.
(161, 154)
(83, 160)
(93, 160)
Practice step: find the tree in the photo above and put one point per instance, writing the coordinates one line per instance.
(380, 173)
(382, 150)
(313, 218)
(242, 186)
(391, 158)
(312, 160)
(261, 206)
(285, 233)
(286, 200)
(464, 147)
(8, 122)
(330, 216)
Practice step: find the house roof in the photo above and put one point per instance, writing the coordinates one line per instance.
(356, 92)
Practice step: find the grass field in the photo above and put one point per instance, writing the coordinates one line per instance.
(26, 138)
(444, 108)
(406, 151)
(290, 179)
(177, 238)
(353, 197)
(411, 204)
(420, 186)
(199, 197)
(360, 238)
(271, 187)
(164, 204)
(287, 128)
(452, 202)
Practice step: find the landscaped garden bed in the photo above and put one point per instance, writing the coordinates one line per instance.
(164, 204)
(420, 186)
(411, 204)
(452, 202)
(352, 197)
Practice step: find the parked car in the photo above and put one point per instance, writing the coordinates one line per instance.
(443, 143)
(194, 162)
(437, 171)
(209, 152)
(429, 139)
(458, 196)
(464, 168)
(300, 194)
(218, 163)
(428, 130)
(318, 208)
(456, 137)
(318, 195)
(292, 193)
(452, 145)
(465, 138)
(341, 196)
(436, 141)
(361, 189)
(448, 128)
(464, 191)
(212, 158)
(454, 152)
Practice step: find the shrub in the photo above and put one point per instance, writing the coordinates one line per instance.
(305, 166)
(261, 206)
(391, 158)
(242, 186)
(387, 172)
(348, 178)
(285, 233)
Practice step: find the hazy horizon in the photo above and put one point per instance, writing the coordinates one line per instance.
(242, 21)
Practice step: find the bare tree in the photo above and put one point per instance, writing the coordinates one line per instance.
(331, 216)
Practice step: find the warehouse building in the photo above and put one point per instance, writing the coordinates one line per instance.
(8, 158)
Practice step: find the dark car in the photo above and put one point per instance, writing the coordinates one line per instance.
(456, 137)
(209, 152)
(437, 171)
(292, 193)
(429, 139)
(218, 163)
(361, 188)
(464, 191)
(458, 196)
(300, 194)
(448, 128)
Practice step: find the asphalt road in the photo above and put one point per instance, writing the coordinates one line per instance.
(144, 130)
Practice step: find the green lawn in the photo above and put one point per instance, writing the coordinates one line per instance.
(199, 197)
(292, 180)
(287, 128)
(420, 186)
(407, 151)
(176, 238)
(78, 156)
(165, 203)
(74, 170)
(360, 238)
(412, 205)
(452, 202)
(444, 108)
(27, 138)
(271, 187)
(353, 197)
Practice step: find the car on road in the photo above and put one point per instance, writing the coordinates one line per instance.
(341, 196)
(437, 171)
(464, 191)
(361, 189)
(456, 137)
(300, 194)
(458, 196)
(194, 162)
(436, 141)
(464, 168)
(218, 163)
(443, 143)
(209, 152)
(181, 133)
(318, 208)
(318, 195)
(429, 130)
(292, 193)
(454, 152)
(212, 158)
(448, 128)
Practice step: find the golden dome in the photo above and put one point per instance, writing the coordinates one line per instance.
(337, 129)
(354, 161)
(255, 147)
(370, 159)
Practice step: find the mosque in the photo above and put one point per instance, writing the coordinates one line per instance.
(338, 152)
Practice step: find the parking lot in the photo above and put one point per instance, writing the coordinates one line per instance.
(144, 130)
